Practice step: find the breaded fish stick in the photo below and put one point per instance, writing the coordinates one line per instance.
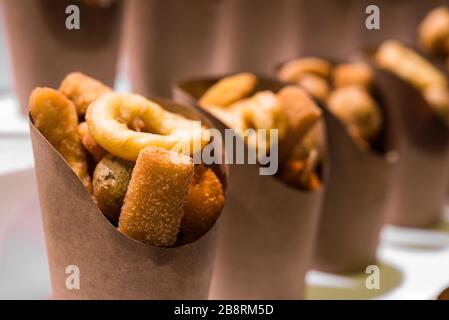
(82, 90)
(55, 117)
(205, 200)
(153, 206)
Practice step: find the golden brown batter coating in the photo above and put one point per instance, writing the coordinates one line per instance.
(82, 90)
(293, 70)
(302, 114)
(229, 90)
(205, 200)
(153, 206)
(349, 74)
(110, 182)
(317, 86)
(55, 117)
(89, 142)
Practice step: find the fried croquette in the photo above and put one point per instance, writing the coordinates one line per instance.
(82, 90)
(55, 117)
(110, 182)
(204, 202)
(153, 207)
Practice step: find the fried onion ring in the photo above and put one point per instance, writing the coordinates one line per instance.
(109, 119)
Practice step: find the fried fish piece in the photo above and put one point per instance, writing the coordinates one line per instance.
(110, 182)
(89, 142)
(55, 117)
(229, 90)
(153, 207)
(293, 70)
(205, 200)
(82, 90)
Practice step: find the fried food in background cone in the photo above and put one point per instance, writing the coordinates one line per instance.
(302, 114)
(229, 90)
(56, 118)
(153, 206)
(82, 90)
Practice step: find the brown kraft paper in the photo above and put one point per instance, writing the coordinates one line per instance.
(268, 228)
(353, 209)
(43, 50)
(420, 182)
(112, 265)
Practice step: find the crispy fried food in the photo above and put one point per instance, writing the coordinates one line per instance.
(110, 182)
(205, 200)
(433, 32)
(55, 117)
(317, 86)
(302, 114)
(89, 142)
(229, 90)
(82, 90)
(109, 116)
(293, 71)
(301, 173)
(408, 65)
(153, 206)
(411, 67)
(263, 111)
(349, 74)
(357, 110)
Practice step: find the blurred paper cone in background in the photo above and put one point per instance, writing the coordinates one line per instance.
(43, 50)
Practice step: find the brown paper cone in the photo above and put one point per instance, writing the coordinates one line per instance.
(353, 210)
(420, 182)
(268, 229)
(171, 39)
(111, 265)
(43, 51)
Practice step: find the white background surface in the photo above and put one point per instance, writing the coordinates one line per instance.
(414, 264)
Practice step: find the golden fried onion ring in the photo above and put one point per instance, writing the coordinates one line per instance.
(109, 119)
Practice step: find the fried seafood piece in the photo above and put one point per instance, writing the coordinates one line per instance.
(89, 142)
(317, 86)
(292, 71)
(110, 182)
(433, 32)
(301, 113)
(359, 112)
(408, 65)
(349, 74)
(82, 90)
(112, 117)
(229, 90)
(153, 207)
(55, 117)
(205, 200)
(416, 70)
